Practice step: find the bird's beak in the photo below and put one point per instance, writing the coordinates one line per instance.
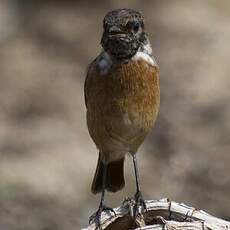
(115, 31)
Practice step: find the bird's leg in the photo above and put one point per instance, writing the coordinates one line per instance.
(96, 217)
(140, 206)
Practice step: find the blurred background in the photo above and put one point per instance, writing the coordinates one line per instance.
(47, 159)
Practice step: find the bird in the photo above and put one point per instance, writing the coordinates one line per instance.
(122, 97)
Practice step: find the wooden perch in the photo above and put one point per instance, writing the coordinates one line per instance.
(161, 214)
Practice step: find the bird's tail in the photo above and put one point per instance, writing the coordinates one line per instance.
(114, 177)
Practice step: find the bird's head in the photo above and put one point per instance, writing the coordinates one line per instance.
(123, 33)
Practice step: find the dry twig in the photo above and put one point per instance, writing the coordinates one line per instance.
(161, 214)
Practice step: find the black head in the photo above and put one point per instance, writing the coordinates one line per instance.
(123, 33)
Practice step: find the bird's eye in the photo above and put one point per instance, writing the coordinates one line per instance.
(136, 26)
(133, 26)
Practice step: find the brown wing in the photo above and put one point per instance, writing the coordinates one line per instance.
(86, 88)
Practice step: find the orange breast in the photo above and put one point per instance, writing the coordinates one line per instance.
(122, 104)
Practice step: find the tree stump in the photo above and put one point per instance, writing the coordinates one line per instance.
(160, 214)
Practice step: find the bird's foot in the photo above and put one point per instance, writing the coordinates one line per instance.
(139, 209)
(140, 206)
(96, 217)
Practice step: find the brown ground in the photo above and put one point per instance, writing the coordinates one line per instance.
(47, 157)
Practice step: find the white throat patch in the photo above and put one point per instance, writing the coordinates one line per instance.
(140, 55)
(145, 53)
(105, 62)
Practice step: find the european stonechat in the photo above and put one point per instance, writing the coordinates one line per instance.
(122, 97)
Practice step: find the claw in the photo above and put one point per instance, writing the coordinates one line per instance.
(96, 217)
(140, 206)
